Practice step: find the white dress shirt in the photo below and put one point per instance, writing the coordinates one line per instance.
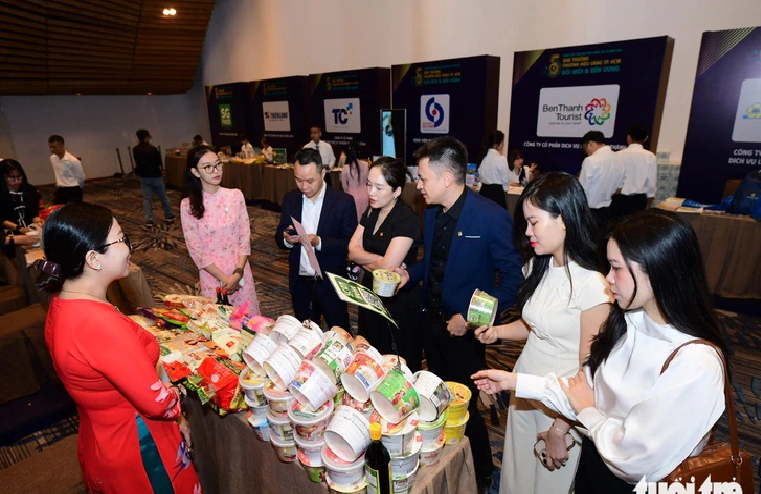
(68, 171)
(644, 423)
(640, 170)
(310, 220)
(326, 153)
(601, 174)
(269, 154)
(248, 149)
(494, 169)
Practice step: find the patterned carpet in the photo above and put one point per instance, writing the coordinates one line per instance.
(160, 252)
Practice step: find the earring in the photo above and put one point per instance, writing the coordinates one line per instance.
(99, 268)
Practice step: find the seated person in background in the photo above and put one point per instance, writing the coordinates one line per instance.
(198, 141)
(19, 205)
(267, 152)
(245, 147)
(518, 174)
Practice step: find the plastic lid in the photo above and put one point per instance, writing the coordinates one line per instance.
(375, 431)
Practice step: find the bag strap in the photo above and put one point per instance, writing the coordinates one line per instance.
(728, 399)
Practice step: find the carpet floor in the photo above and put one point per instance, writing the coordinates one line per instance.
(161, 253)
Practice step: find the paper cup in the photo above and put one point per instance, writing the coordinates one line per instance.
(458, 406)
(263, 432)
(252, 387)
(429, 456)
(307, 342)
(333, 359)
(348, 433)
(310, 450)
(482, 309)
(260, 348)
(385, 282)
(309, 426)
(357, 488)
(431, 431)
(456, 430)
(282, 365)
(278, 401)
(395, 397)
(403, 485)
(434, 395)
(399, 439)
(284, 329)
(338, 333)
(403, 465)
(314, 468)
(343, 472)
(281, 427)
(310, 386)
(257, 415)
(285, 450)
(366, 408)
(364, 374)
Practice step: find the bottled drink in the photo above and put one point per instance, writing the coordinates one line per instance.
(219, 296)
(225, 300)
(377, 464)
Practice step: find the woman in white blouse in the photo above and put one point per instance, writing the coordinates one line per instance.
(563, 302)
(493, 169)
(640, 423)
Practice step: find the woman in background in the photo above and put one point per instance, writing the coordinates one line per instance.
(493, 170)
(518, 174)
(354, 178)
(132, 436)
(217, 231)
(267, 152)
(19, 202)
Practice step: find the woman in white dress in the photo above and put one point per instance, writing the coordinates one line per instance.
(640, 421)
(563, 302)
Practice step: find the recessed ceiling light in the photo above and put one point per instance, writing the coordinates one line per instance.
(170, 12)
(150, 94)
(79, 94)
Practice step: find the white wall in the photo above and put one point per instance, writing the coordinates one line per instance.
(94, 126)
(258, 39)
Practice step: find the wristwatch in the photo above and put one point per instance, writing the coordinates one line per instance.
(239, 271)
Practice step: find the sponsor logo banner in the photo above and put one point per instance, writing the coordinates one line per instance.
(574, 111)
(342, 116)
(276, 116)
(434, 114)
(748, 116)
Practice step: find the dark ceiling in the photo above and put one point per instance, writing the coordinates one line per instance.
(100, 46)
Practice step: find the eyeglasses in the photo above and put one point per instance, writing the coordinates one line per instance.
(14, 177)
(213, 168)
(124, 239)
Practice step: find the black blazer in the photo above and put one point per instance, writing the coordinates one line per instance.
(338, 221)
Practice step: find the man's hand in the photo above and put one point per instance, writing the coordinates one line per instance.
(291, 239)
(314, 239)
(457, 325)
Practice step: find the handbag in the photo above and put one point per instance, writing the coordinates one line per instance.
(721, 461)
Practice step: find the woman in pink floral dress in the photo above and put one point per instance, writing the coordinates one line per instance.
(216, 228)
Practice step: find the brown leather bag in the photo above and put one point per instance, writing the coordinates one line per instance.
(723, 462)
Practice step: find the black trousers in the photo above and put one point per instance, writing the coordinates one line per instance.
(622, 205)
(315, 299)
(594, 477)
(495, 192)
(456, 358)
(602, 217)
(65, 195)
(377, 330)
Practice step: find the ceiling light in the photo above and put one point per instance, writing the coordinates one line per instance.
(170, 12)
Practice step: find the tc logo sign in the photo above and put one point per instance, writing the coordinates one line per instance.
(342, 115)
(434, 114)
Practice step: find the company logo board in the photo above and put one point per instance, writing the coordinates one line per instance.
(574, 111)
(276, 116)
(434, 114)
(342, 116)
(225, 115)
(748, 116)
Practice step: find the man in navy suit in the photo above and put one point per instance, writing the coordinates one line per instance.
(467, 244)
(329, 217)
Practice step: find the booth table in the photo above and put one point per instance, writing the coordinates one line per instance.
(229, 459)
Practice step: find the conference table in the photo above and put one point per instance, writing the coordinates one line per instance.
(229, 458)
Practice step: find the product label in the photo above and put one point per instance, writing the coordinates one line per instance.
(373, 480)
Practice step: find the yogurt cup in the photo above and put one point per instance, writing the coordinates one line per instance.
(403, 465)
(363, 374)
(284, 329)
(403, 485)
(340, 334)
(385, 282)
(309, 426)
(430, 456)
(285, 450)
(431, 431)
(307, 341)
(257, 415)
(357, 488)
(312, 451)
(260, 348)
(395, 397)
(278, 401)
(456, 430)
(311, 386)
(458, 406)
(482, 309)
(253, 387)
(399, 439)
(365, 408)
(434, 395)
(263, 432)
(314, 468)
(281, 427)
(282, 365)
(348, 434)
(333, 359)
(342, 472)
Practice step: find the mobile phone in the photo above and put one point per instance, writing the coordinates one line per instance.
(291, 231)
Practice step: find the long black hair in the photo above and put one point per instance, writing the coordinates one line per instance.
(494, 139)
(352, 155)
(559, 194)
(666, 249)
(68, 235)
(193, 189)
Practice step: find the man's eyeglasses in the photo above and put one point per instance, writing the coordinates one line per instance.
(213, 168)
(124, 239)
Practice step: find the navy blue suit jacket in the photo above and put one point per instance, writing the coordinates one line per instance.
(338, 221)
(482, 245)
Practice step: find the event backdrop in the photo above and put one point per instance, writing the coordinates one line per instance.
(724, 133)
(347, 106)
(457, 97)
(560, 94)
(279, 110)
(228, 113)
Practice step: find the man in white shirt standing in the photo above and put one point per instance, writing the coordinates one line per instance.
(601, 175)
(640, 173)
(245, 147)
(322, 147)
(69, 175)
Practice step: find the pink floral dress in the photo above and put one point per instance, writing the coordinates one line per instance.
(220, 237)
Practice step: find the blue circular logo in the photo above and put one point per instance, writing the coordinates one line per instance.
(435, 115)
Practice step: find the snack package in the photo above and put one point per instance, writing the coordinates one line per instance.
(216, 381)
